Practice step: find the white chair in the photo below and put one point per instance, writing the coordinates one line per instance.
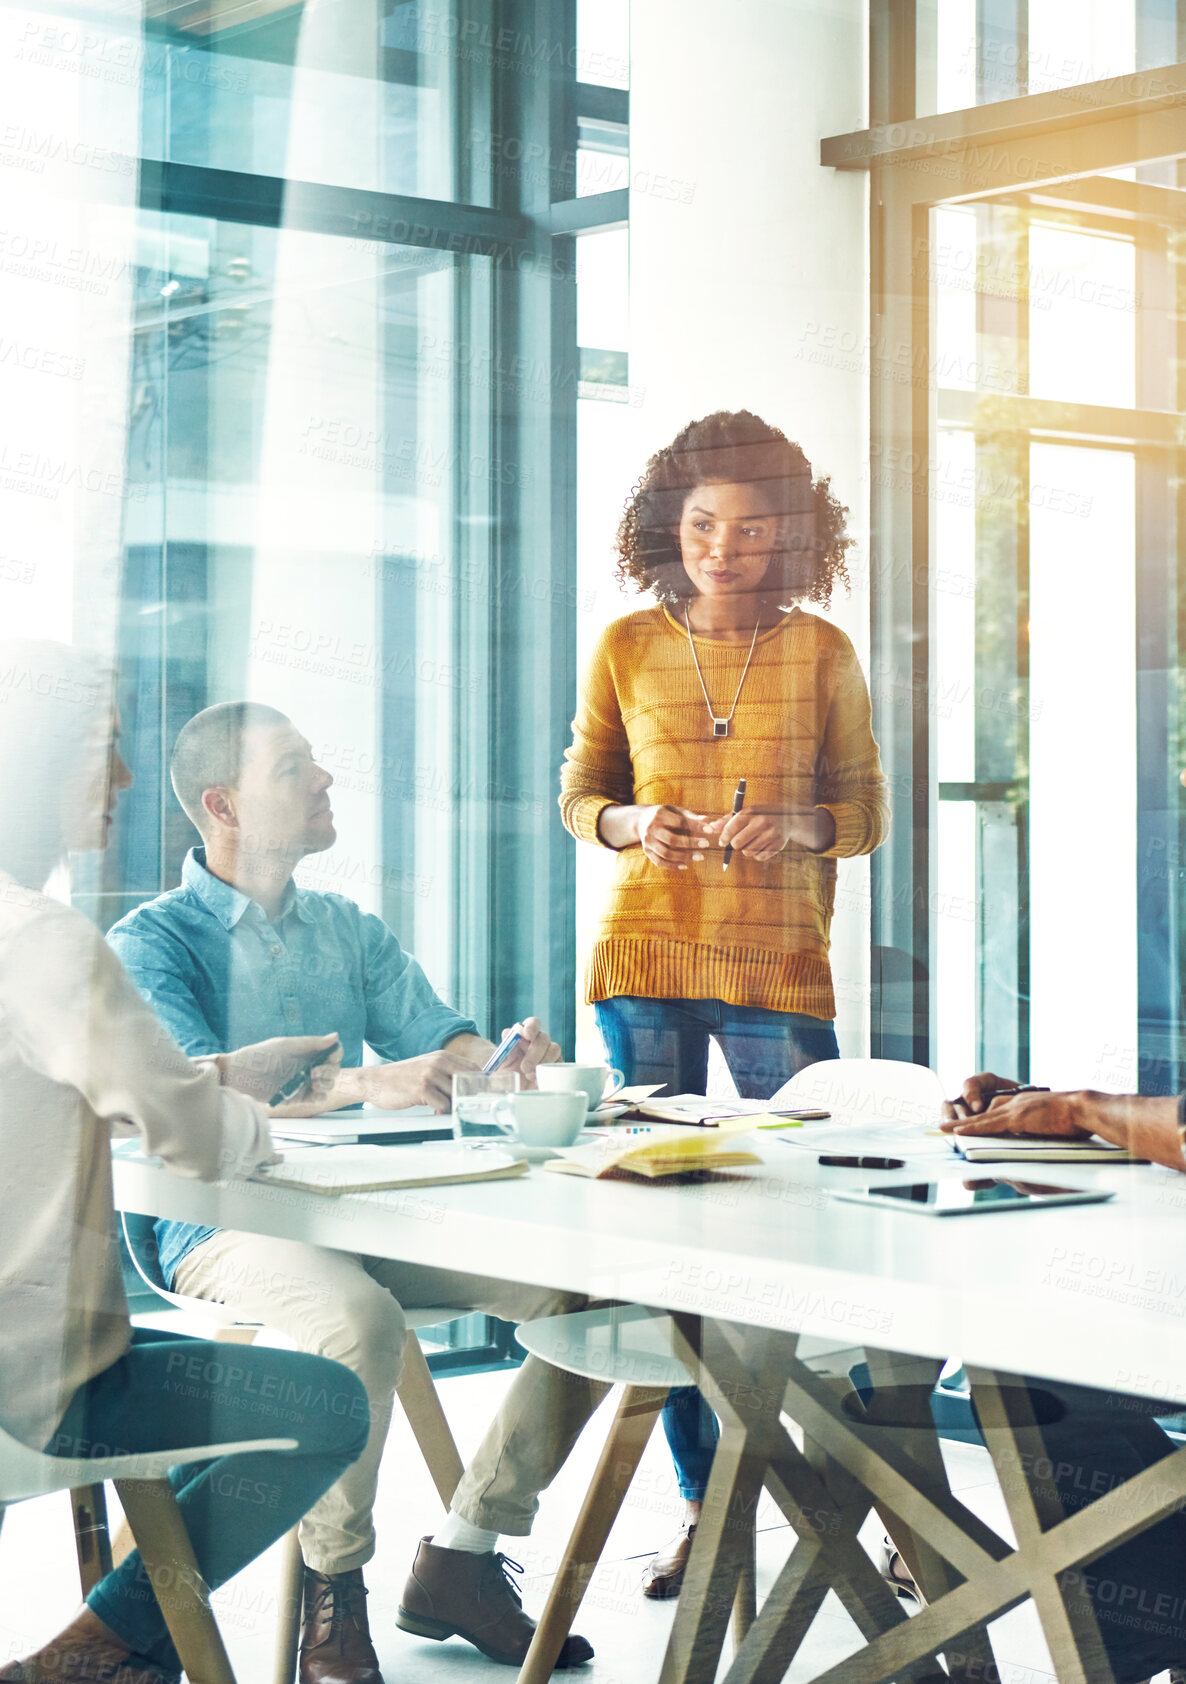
(864, 1090)
(417, 1395)
(156, 1526)
(631, 1346)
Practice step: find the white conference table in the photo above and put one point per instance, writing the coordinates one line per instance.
(1094, 1294)
(1102, 1287)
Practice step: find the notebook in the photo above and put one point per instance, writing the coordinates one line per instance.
(657, 1152)
(1039, 1149)
(371, 1169)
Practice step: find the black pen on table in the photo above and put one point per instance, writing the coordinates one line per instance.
(738, 804)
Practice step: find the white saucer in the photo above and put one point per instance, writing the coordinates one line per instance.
(541, 1154)
(609, 1112)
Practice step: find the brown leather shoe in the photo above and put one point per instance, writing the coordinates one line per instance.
(336, 1645)
(85, 1653)
(664, 1576)
(455, 1593)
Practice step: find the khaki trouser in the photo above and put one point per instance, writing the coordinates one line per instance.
(342, 1305)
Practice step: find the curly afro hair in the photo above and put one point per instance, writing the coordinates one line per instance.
(733, 448)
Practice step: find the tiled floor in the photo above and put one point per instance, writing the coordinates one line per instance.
(38, 1579)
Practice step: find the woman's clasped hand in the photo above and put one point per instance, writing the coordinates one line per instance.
(672, 836)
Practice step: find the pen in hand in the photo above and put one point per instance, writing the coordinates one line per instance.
(738, 804)
(960, 1105)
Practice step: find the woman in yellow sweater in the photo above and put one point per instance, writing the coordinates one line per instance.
(727, 678)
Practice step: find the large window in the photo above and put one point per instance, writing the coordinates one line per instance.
(1028, 213)
(325, 286)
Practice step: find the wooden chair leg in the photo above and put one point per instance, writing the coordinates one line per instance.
(168, 1558)
(91, 1539)
(288, 1609)
(745, 1602)
(422, 1406)
(636, 1416)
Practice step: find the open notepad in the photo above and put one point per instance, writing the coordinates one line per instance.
(658, 1152)
(694, 1109)
(371, 1169)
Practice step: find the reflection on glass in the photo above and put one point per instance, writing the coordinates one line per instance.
(953, 581)
(603, 42)
(1074, 41)
(955, 55)
(954, 274)
(67, 146)
(1083, 795)
(293, 425)
(1082, 293)
(957, 908)
(603, 289)
(601, 172)
(607, 463)
(606, 467)
(353, 95)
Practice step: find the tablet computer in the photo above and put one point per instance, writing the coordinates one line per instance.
(982, 1197)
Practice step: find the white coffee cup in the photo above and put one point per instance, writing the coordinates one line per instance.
(544, 1119)
(595, 1081)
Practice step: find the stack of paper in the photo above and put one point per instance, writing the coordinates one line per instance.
(657, 1152)
(369, 1169)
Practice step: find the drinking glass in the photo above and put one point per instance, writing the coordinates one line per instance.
(479, 1119)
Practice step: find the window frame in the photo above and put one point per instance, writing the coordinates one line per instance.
(916, 164)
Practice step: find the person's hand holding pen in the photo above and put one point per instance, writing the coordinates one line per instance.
(762, 832)
(670, 837)
(994, 1105)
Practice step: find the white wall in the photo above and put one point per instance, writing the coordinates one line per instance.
(748, 268)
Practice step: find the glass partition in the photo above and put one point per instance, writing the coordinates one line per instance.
(304, 284)
(1051, 619)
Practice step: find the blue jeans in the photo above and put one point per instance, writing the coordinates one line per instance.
(169, 1392)
(667, 1041)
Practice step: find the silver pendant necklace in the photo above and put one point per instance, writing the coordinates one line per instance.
(720, 726)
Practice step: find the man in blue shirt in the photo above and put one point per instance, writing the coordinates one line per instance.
(234, 955)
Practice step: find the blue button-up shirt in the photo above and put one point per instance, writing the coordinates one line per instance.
(220, 974)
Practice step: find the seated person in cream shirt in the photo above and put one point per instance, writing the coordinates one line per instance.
(81, 1056)
(237, 952)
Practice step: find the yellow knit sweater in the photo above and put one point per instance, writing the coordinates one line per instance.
(758, 934)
